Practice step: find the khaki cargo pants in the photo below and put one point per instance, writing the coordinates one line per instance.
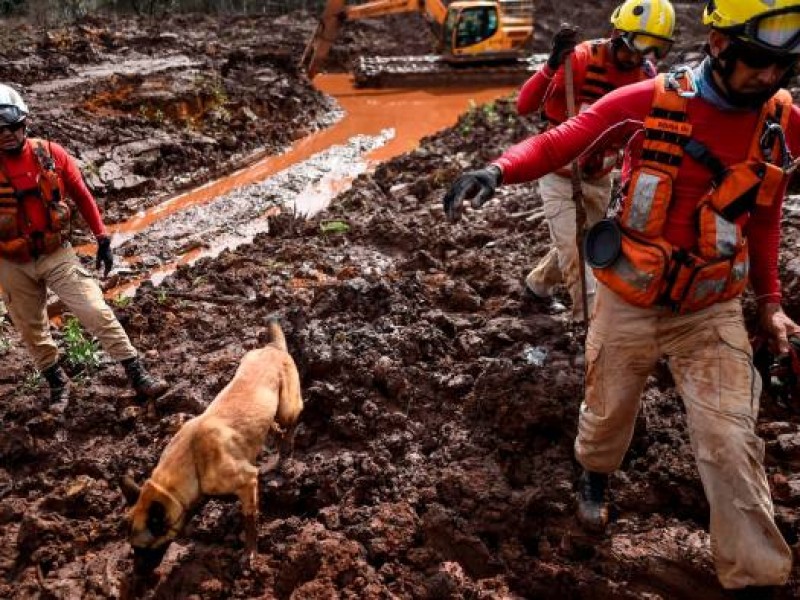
(710, 359)
(25, 295)
(561, 263)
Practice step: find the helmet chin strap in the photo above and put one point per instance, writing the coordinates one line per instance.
(725, 65)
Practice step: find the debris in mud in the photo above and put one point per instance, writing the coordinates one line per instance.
(434, 458)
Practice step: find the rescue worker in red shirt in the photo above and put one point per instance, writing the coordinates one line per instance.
(36, 177)
(641, 28)
(703, 180)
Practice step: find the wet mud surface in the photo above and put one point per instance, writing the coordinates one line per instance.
(434, 458)
(153, 108)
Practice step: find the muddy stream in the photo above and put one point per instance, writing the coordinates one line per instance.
(372, 125)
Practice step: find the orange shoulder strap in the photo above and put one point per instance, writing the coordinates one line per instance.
(666, 128)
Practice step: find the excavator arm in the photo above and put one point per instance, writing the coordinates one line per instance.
(337, 12)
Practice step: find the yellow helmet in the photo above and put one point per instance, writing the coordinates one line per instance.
(648, 17)
(773, 25)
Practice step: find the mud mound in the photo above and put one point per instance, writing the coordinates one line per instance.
(435, 454)
(434, 459)
(152, 109)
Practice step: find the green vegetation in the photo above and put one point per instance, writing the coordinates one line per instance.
(476, 114)
(334, 226)
(121, 301)
(81, 351)
(490, 112)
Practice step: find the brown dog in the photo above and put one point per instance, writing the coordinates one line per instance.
(214, 453)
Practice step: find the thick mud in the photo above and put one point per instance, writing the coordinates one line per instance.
(434, 457)
(153, 108)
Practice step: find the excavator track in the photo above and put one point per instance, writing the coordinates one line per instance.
(432, 71)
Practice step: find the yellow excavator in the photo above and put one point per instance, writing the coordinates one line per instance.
(486, 41)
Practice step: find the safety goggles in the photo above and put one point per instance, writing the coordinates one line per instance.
(12, 127)
(776, 31)
(647, 44)
(11, 115)
(756, 57)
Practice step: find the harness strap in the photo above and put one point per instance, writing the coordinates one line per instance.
(701, 153)
(666, 128)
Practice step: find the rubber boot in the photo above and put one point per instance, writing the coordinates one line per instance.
(141, 381)
(59, 388)
(592, 505)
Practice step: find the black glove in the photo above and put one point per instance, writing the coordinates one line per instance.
(479, 186)
(564, 42)
(104, 256)
(780, 374)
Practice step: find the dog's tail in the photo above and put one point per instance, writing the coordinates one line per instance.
(276, 337)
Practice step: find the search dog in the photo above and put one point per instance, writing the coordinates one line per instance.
(214, 453)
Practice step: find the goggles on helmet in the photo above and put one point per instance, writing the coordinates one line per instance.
(645, 44)
(11, 115)
(12, 127)
(757, 57)
(775, 31)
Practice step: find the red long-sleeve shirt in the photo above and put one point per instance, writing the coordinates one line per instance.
(547, 89)
(23, 168)
(619, 116)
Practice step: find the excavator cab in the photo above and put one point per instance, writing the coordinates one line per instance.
(484, 30)
(469, 25)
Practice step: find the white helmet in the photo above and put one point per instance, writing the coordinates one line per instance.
(12, 107)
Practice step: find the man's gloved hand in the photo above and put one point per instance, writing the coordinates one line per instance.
(104, 255)
(478, 186)
(564, 42)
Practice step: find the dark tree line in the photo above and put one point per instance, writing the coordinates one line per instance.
(76, 9)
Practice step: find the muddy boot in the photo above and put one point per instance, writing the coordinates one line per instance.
(592, 505)
(59, 388)
(141, 381)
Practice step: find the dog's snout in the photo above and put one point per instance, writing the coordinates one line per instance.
(147, 560)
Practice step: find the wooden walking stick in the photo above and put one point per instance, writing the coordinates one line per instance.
(577, 191)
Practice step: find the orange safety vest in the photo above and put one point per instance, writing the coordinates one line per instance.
(595, 85)
(595, 82)
(649, 271)
(16, 245)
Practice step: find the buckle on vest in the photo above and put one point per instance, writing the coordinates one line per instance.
(773, 131)
(672, 81)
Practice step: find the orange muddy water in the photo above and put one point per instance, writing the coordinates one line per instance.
(412, 114)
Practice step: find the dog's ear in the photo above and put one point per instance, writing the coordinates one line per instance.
(157, 519)
(129, 489)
